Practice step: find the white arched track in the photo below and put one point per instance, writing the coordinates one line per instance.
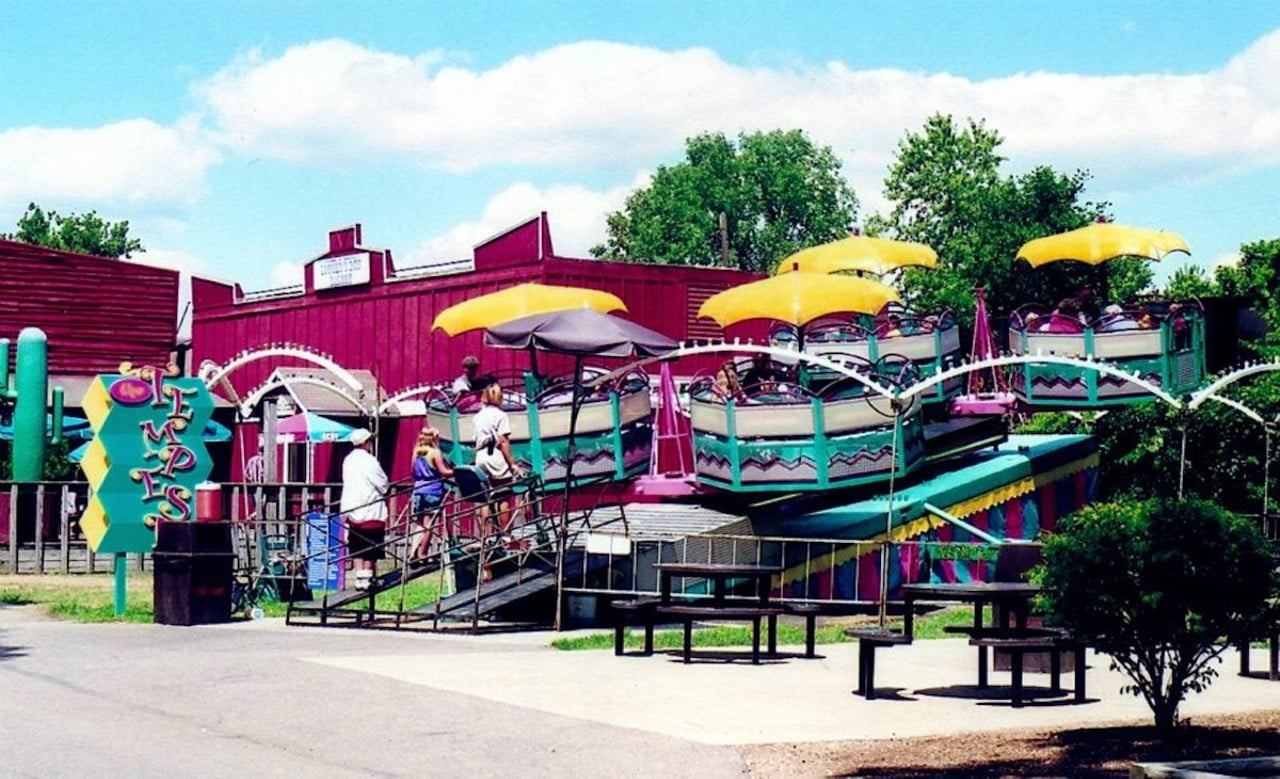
(256, 396)
(405, 394)
(1098, 366)
(1211, 392)
(212, 374)
(720, 347)
(216, 373)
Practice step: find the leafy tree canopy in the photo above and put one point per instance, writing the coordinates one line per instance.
(1159, 586)
(1256, 277)
(84, 233)
(778, 193)
(1190, 282)
(947, 191)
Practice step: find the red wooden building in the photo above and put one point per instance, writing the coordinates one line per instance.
(363, 312)
(96, 311)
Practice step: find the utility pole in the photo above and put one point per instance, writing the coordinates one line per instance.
(724, 239)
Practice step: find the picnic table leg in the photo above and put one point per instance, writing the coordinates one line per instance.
(618, 638)
(648, 633)
(810, 627)
(982, 650)
(755, 639)
(1055, 669)
(867, 669)
(688, 638)
(1243, 649)
(773, 634)
(1015, 659)
(1080, 674)
(1274, 645)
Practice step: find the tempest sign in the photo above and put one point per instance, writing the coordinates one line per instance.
(147, 455)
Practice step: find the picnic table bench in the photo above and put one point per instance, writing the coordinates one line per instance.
(1273, 653)
(1010, 633)
(715, 605)
(869, 640)
(647, 612)
(1019, 642)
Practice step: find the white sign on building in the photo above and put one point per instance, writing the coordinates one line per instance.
(342, 271)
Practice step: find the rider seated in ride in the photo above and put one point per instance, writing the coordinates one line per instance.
(891, 327)
(1066, 318)
(1114, 319)
(727, 382)
(762, 376)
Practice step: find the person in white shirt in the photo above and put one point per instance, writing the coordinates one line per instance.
(467, 381)
(364, 507)
(493, 450)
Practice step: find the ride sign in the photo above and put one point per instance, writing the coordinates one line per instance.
(147, 455)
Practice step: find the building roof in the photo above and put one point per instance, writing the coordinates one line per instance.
(320, 391)
(96, 311)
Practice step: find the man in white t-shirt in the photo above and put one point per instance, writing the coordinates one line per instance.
(364, 507)
(467, 381)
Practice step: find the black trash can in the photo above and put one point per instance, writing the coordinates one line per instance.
(193, 567)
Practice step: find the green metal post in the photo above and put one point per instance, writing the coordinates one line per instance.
(537, 458)
(32, 385)
(121, 571)
(821, 457)
(615, 408)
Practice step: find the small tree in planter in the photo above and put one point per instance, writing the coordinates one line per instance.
(1162, 587)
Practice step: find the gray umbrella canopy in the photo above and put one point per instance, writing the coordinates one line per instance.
(580, 332)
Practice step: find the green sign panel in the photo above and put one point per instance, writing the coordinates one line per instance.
(147, 456)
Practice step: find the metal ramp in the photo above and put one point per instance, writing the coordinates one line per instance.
(498, 580)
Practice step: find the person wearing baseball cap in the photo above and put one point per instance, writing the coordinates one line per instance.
(364, 507)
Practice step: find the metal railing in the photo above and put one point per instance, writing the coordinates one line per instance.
(833, 572)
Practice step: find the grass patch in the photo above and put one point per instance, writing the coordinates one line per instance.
(927, 626)
(81, 597)
(91, 597)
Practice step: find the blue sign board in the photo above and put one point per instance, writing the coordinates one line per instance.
(324, 551)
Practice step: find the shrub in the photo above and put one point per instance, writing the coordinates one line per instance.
(1162, 587)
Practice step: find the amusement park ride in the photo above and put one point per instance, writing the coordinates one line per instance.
(854, 400)
(863, 389)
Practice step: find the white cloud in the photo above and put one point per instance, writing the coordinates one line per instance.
(593, 104)
(576, 214)
(172, 259)
(1228, 260)
(286, 274)
(127, 165)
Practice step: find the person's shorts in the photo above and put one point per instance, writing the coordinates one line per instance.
(501, 489)
(424, 506)
(365, 540)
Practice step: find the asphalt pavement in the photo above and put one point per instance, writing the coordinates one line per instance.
(263, 699)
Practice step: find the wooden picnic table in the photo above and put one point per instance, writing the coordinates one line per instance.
(716, 604)
(1010, 601)
(719, 575)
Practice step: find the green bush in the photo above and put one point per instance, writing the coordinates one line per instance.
(1162, 587)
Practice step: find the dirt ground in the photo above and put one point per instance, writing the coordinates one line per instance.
(1092, 751)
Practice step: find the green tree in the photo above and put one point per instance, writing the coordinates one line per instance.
(947, 191)
(84, 233)
(1159, 586)
(1190, 282)
(1256, 277)
(777, 191)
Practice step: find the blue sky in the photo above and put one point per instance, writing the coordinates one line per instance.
(234, 135)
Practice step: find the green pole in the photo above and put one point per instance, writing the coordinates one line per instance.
(121, 571)
(32, 385)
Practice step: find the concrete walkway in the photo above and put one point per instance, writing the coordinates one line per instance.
(261, 699)
(928, 688)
